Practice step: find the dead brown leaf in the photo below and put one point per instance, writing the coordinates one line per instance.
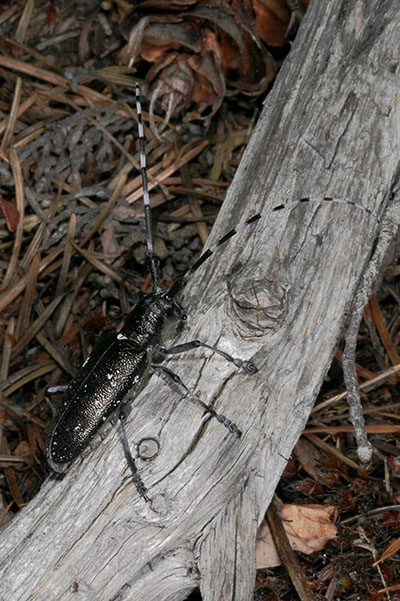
(309, 528)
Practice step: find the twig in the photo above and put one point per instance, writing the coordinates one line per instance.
(388, 231)
(287, 555)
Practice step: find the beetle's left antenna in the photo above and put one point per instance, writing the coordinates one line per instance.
(155, 273)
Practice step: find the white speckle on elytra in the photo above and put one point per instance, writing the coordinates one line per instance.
(122, 337)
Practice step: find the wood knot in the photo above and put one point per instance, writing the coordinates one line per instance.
(256, 302)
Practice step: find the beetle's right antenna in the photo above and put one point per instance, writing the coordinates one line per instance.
(155, 273)
(181, 282)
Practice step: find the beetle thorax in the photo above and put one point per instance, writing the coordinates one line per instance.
(146, 323)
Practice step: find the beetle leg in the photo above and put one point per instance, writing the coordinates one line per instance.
(129, 457)
(220, 418)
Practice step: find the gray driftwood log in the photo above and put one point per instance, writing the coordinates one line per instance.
(279, 294)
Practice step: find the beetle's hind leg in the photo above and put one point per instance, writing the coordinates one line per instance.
(129, 457)
(220, 418)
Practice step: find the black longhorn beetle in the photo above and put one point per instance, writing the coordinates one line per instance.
(121, 362)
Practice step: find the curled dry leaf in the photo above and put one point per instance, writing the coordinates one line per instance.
(275, 19)
(24, 451)
(109, 242)
(309, 527)
(10, 213)
(202, 50)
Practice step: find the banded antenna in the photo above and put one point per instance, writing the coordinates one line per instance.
(154, 270)
(182, 281)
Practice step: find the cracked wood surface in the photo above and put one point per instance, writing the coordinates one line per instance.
(278, 294)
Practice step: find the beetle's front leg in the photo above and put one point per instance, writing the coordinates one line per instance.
(193, 344)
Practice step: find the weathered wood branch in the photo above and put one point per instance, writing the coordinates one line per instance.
(278, 294)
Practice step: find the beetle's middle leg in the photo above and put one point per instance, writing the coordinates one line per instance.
(220, 418)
